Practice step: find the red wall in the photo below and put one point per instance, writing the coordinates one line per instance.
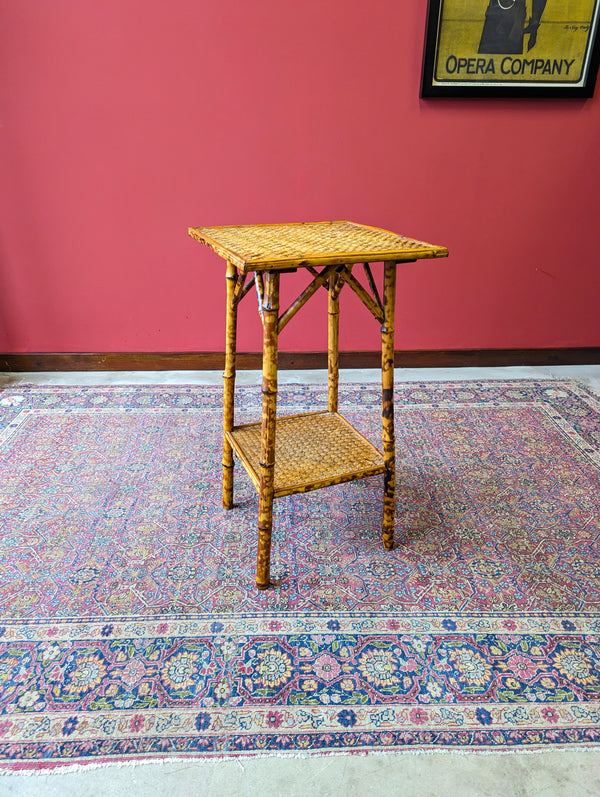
(123, 122)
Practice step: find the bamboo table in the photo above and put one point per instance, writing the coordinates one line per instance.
(305, 452)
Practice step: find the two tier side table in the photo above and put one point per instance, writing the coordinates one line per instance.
(305, 452)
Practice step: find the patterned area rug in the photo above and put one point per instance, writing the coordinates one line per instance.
(131, 627)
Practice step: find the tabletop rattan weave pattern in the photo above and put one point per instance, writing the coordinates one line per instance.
(275, 246)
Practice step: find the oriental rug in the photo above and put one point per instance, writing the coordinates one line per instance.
(131, 628)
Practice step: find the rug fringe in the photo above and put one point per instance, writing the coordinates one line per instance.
(51, 768)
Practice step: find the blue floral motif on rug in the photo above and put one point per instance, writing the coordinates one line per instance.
(131, 628)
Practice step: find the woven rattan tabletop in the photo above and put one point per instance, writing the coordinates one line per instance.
(266, 247)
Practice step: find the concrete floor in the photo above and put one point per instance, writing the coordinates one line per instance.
(572, 773)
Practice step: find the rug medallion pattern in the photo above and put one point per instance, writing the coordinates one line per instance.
(130, 625)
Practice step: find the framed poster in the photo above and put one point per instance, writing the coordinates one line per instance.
(511, 48)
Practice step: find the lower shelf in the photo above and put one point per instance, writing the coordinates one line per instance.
(311, 451)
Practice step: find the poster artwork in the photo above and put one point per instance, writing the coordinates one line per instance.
(515, 42)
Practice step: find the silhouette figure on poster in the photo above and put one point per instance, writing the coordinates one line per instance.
(504, 29)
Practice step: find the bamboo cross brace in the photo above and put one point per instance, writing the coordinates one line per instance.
(243, 290)
(309, 291)
(372, 285)
(315, 273)
(340, 278)
(365, 297)
(260, 292)
(240, 279)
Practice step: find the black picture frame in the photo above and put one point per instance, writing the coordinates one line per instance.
(459, 61)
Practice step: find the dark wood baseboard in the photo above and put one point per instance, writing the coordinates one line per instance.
(214, 361)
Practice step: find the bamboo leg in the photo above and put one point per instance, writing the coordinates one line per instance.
(333, 330)
(229, 386)
(269, 414)
(387, 384)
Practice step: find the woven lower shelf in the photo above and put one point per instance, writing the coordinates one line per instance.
(311, 451)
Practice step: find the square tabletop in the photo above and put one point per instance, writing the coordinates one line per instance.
(273, 247)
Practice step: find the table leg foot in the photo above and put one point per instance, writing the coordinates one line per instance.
(388, 515)
(263, 558)
(228, 485)
(388, 544)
